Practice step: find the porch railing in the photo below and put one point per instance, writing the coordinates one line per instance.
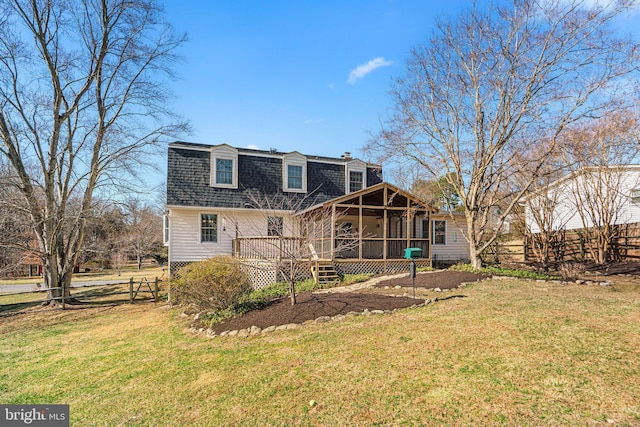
(272, 247)
(372, 248)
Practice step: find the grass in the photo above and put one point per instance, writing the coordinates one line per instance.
(511, 352)
(113, 294)
(502, 271)
(125, 274)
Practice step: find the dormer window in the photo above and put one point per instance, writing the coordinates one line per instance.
(224, 166)
(294, 170)
(356, 181)
(356, 176)
(224, 171)
(294, 177)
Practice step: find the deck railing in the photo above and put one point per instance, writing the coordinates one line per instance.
(283, 247)
(272, 247)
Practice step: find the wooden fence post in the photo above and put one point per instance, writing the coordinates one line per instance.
(131, 290)
(155, 290)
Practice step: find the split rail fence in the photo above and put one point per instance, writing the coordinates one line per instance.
(142, 289)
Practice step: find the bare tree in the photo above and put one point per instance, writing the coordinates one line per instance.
(83, 100)
(545, 219)
(600, 154)
(144, 230)
(490, 84)
(294, 235)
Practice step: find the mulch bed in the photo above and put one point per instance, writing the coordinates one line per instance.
(446, 279)
(311, 306)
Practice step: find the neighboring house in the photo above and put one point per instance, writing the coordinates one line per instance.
(211, 207)
(593, 203)
(590, 197)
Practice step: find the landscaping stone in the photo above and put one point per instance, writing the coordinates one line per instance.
(353, 314)
(243, 333)
(268, 329)
(338, 317)
(377, 312)
(232, 333)
(437, 290)
(255, 330)
(224, 333)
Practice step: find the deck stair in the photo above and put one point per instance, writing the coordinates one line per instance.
(324, 272)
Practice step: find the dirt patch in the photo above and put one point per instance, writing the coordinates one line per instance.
(446, 279)
(311, 306)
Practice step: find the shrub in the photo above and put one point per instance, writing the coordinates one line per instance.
(217, 283)
(512, 272)
(571, 271)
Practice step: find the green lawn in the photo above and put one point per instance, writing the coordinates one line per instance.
(123, 276)
(511, 352)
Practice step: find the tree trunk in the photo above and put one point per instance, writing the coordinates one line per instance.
(55, 284)
(474, 256)
(292, 292)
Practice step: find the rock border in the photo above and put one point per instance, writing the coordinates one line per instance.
(254, 330)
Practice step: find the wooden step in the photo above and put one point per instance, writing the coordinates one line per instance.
(324, 272)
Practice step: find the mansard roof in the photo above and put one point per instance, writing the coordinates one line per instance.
(259, 172)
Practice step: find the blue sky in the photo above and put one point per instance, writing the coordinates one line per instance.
(309, 76)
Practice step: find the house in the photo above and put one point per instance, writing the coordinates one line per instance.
(448, 242)
(593, 201)
(223, 200)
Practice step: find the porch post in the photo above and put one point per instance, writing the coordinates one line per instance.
(360, 228)
(333, 230)
(408, 221)
(384, 228)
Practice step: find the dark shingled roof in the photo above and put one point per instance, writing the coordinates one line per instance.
(189, 167)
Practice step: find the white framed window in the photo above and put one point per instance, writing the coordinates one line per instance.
(635, 196)
(208, 228)
(294, 177)
(294, 173)
(355, 176)
(224, 171)
(356, 181)
(439, 232)
(224, 167)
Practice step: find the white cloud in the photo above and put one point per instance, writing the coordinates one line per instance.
(253, 147)
(312, 121)
(362, 70)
